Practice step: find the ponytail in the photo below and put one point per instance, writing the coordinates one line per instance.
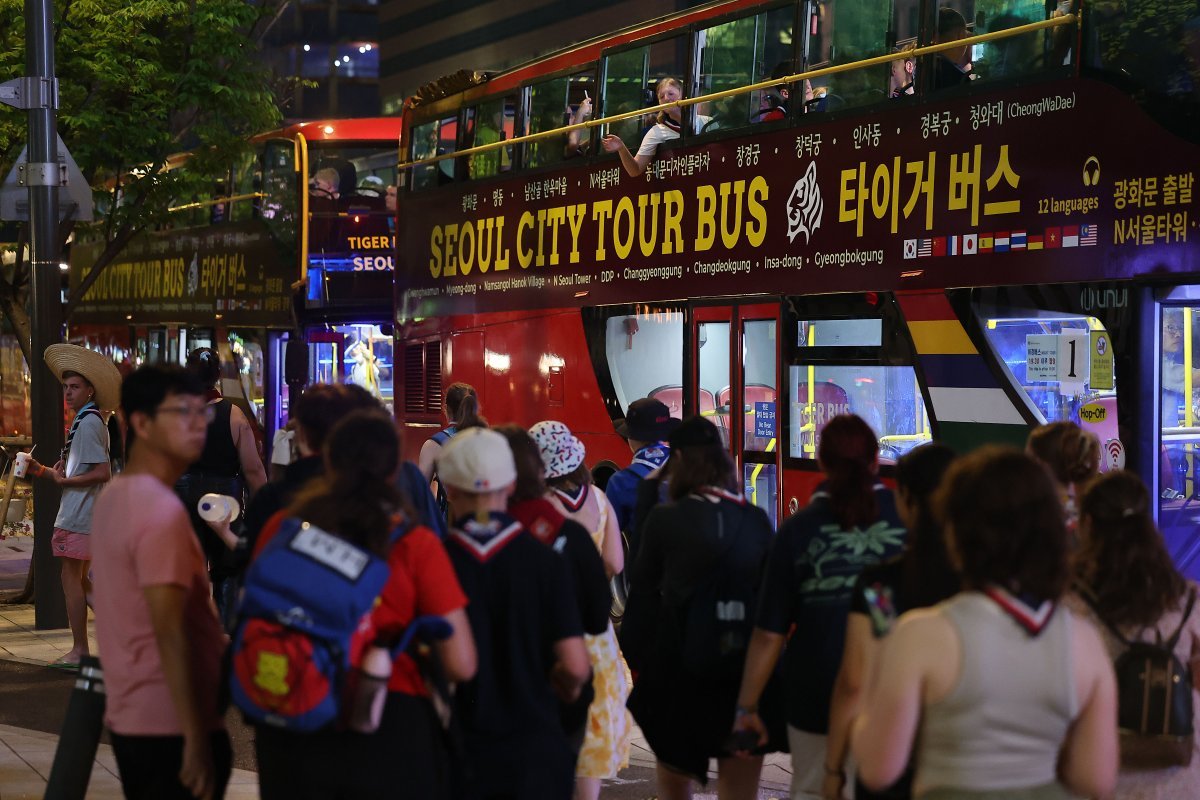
(462, 407)
(356, 499)
(848, 454)
(852, 494)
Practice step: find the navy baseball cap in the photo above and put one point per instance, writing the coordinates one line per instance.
(647, 420)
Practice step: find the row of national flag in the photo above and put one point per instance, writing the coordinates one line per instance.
(968, 244)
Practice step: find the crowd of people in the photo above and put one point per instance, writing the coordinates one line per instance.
(952, 638)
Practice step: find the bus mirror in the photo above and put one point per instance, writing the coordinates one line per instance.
(295, 361)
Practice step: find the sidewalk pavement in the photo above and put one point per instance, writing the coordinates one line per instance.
(26, 755)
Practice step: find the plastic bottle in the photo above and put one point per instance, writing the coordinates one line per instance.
(218, 508)
(370, 690)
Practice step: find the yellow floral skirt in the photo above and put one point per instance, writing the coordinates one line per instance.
(609, 725)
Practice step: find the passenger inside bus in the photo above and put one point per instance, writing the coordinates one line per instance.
(950, 65)
(365, 209)
(323, 228)
(579, 141)
(325, 183)
(903, 72)
(667, 127)
(773, 104)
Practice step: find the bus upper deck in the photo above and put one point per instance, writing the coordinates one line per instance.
(962, 262)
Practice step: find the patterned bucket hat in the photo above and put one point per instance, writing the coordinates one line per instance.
(562, 453)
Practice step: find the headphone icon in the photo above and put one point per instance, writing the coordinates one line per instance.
(1091, 171)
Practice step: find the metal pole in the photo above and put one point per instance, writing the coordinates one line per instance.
(46, 392)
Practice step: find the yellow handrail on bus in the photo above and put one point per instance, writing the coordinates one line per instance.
(1188, 413)
(1056, 22)
(301, 162)
(215, 201)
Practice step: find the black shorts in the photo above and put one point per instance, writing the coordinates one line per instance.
(407, 753)
(149, 766)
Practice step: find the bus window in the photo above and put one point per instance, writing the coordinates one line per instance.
(434, 139)
(1151, 50)
(552, 104)
(745, 51)
(493, 121)
(1179, 456)
(840, 33)
(279, 187)
(247, 179)
(629, 81)
(714, 384)
(845, 356)
(1016, 55)
(246, 346)
(644, 351)
(1046, 356)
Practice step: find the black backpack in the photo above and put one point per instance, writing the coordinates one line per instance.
(718, 618)
(1154, 700)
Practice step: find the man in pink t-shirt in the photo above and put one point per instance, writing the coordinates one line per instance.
(160, 640)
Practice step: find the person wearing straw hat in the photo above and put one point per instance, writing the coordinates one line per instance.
(91, 388)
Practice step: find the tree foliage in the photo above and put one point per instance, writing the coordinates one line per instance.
(139, 82)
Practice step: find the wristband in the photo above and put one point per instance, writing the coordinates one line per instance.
(40, 471)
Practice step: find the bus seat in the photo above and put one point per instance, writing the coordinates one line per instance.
(670, 395)
(365, 215)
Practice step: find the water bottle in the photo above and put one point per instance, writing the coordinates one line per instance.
(218, 508)
(370, 690)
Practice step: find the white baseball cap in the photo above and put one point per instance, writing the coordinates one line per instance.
(477, 460)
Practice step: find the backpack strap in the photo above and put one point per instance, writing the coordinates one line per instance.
(1187, 612)
(1089, 597)
(400, 527)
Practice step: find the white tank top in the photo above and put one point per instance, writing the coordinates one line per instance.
(1003, 723)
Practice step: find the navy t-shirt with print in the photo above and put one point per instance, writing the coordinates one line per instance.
(520, 604)
(810, 577)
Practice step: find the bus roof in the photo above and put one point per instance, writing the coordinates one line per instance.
(342, 130)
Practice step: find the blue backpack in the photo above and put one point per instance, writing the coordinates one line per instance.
(303, 624)
(443, 503)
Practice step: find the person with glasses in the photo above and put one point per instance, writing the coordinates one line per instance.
(155, 622)
(229, 464)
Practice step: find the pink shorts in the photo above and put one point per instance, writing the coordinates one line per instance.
(68, 544)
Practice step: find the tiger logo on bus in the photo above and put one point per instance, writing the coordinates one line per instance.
(805, 206)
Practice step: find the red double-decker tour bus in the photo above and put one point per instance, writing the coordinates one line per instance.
(955, 235)
(285, 268)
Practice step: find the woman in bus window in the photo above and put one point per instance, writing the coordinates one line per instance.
(666, 127)
(1013, 694)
